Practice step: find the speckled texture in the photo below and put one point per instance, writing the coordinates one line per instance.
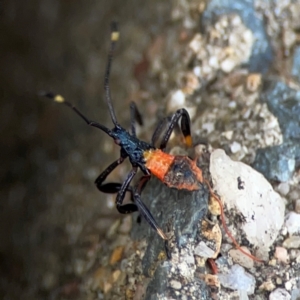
(57, 231)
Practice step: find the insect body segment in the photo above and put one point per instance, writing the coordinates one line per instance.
(178, 172)
(132, 146)
(158, 162)
(184, 174)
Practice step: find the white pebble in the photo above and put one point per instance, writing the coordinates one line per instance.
(196, 43)
(292, 242)
(283, 188)
(232, 104)
(235, 147)
(280, 294)
(228, 65)
(213, 62)
(197, 71)
(228, 134)
(281, 254)
(175, 284)
(238, 279)
(292, 223)
(209, 127)
(203, 250)
(176, 100)
(288, 285)
(248, 37)
(261, 206)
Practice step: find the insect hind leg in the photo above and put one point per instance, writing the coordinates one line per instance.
(143, 209)
(185, 126)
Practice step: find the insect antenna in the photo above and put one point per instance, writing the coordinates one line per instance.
(113, 39)
(60, 99)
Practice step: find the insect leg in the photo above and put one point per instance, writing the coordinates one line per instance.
(143, 210)
(130, 207)
(185, 126)
(109, 188)
(158, 131)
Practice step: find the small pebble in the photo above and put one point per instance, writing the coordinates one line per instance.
(196, 43)
(292, 223)
(279, 294)
(175, 284)
(238, 279)
(281, 255)
(283, 188)
(116, 255)
(297, 206)
(228, 134)
(116, 274)
(209, 127)
(278, 281)
(292, 242)
(213, 62)
(235, 147)
(176, 100)
(228, 65)
(126, 225)
(283, 231)
(197, 71)
(253, 82)
(294, 253)
(288, 285)
(203, 250)
(232, 104)
(267, 286)
(272, 262)
(240, 258)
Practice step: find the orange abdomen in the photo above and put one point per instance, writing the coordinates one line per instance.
(179, 172)
(158, 162)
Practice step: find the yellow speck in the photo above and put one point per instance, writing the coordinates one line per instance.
(162, 255)
(147, 154)
(59, 99)
(189, 141)
(115, 36)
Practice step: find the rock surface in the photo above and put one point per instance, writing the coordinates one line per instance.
(261, 207)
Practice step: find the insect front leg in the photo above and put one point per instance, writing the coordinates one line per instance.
(121, 189)
(114, 187)
(130, 207)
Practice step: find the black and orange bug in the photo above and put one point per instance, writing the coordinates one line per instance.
(178, 172)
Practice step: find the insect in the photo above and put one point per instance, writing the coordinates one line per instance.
(179, 172)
